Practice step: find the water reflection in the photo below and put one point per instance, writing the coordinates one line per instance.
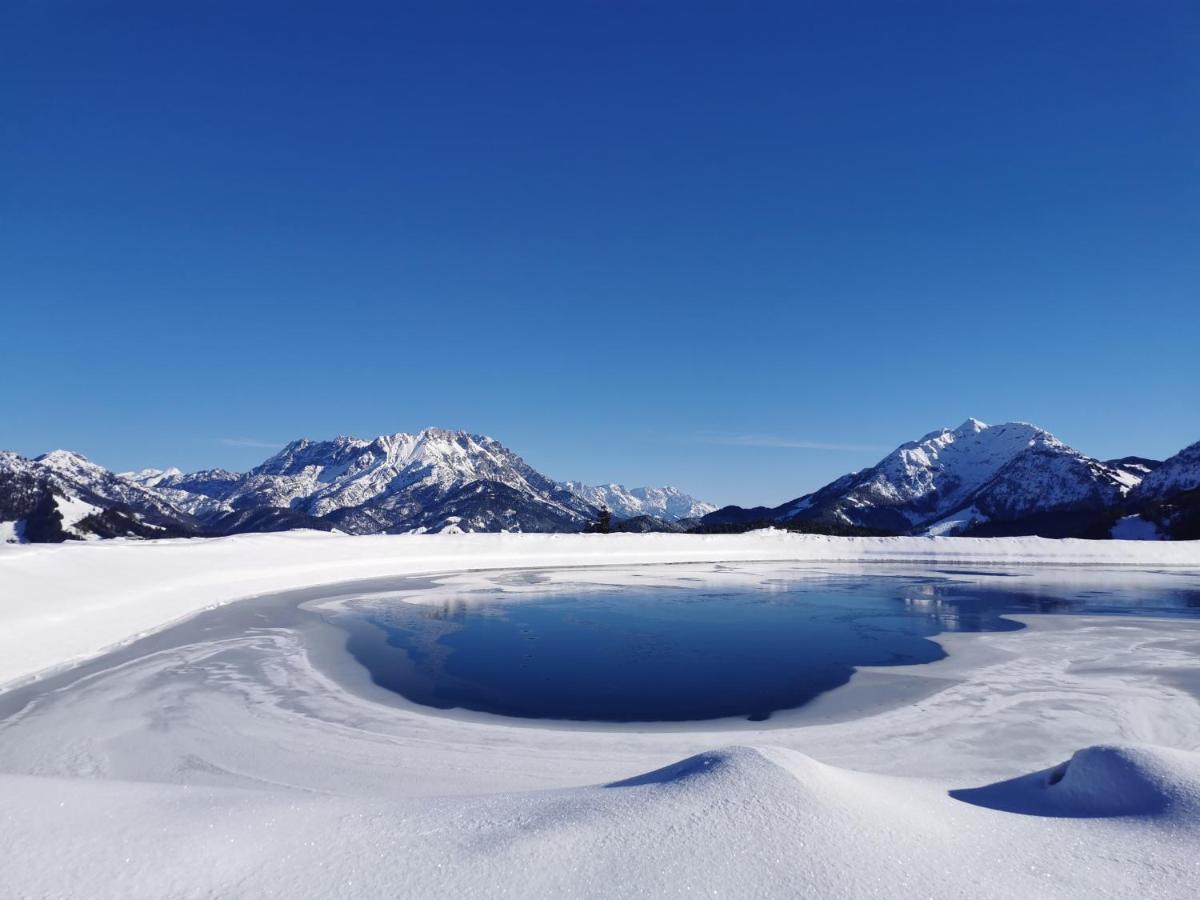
(689, 649)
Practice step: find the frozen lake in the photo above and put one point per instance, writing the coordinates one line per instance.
(680, 651)
(1044, 736)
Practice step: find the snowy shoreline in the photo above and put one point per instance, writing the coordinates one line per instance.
(62, 603)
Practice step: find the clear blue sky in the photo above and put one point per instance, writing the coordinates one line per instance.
(742, 247)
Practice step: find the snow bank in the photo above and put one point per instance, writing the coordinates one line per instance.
(63, 602)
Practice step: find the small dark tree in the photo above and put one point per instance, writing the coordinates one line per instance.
(603, 523)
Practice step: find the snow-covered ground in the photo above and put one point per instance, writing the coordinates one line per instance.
(232, 763)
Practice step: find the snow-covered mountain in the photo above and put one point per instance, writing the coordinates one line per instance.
(433, 480)
(1014, 478)
(429, 481)
(666, 503)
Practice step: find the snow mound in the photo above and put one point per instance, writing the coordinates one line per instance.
(770, 782)
(731, 764)
(1102, 781)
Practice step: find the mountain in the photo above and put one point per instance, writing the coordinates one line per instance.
(666, 503)
(1168, 498)
(976, 479)
(434, 480)
(429, 481)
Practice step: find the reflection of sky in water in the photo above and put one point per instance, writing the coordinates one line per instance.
(696, 649)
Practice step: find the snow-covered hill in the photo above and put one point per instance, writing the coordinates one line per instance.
(667, 503)
(1014, 478)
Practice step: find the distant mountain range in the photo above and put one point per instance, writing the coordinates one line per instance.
(975, 480)
(432, 481)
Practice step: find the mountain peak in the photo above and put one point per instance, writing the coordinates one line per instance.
(58, 457)
(955, 480)
(971, 426)
(68, 461)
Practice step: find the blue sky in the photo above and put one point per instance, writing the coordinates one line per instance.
(742, 248)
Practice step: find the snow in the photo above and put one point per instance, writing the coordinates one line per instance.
(737, 821)
(1103, 781)
(1135, 528)
(1127, 479)
(240, 765)
(955, 522)
(11, 532)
